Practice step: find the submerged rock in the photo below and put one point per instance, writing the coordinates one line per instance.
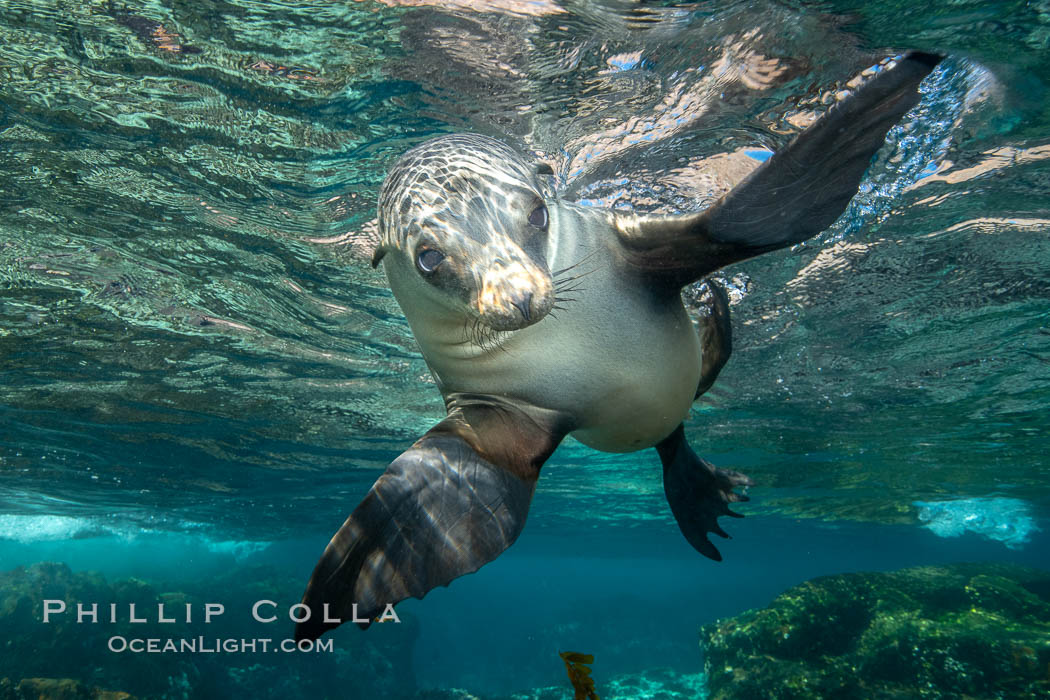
(56, 689)
(653, 684)
(961, 631)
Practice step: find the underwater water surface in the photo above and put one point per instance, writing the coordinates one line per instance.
(201, 374)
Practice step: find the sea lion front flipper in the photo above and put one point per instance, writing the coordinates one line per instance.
(698, 492)
(716, 337)
(800, 191)
(448, 505)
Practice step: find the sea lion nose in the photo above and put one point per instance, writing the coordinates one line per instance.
(523, 303)
(514, 296)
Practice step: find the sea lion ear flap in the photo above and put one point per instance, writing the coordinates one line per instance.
(800, 191)
(378, 256)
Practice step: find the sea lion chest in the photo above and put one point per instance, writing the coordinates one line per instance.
(622, 361)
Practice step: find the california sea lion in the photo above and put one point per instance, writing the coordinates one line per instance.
(539, 318)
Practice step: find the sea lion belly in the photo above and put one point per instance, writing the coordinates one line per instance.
(626, 373)
(627, 358)
(641, 382)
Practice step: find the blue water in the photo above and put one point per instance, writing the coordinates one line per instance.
(200, 373)
(633, 597)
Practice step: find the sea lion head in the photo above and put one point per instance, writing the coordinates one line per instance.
(467, 213)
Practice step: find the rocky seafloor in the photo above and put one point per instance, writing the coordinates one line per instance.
(65, 658)
(936, 632)
(69, 660)
(659, 684)
(966, 631)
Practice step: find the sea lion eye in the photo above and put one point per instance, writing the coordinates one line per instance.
(428, 260)
(538, 217)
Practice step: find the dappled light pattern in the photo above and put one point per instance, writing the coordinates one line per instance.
(798, 192)
(448, 505)
(467, 199)
(535, 8)
(186, 241)
(439, 511)
(690, 98)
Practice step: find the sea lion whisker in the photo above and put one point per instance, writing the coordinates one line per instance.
(568, 280)
(468, 330)
(563, 270)
(481, 335)
(559, 278)
(494, 340)
(474, 332)
(579, 262)
(572, 283)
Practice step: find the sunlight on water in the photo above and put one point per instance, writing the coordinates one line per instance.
(1006, 520)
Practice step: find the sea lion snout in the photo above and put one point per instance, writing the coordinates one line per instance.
(514, 295)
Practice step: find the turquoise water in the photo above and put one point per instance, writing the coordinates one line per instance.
(202, 375)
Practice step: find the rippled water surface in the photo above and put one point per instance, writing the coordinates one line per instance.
(192, 338)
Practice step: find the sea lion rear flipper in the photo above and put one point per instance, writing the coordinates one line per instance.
(698, 492)
(716, 337)
(800, 191)
(448, 505)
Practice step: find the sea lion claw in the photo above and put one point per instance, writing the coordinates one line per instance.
(698, 492)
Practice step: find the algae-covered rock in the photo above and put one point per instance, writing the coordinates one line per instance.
(63, 647)
(56, 689)
(652, 684)
(109, 649)
(961, 631)
(659, 683)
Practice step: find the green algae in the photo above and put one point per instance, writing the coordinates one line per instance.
(652, 684)
(67, 659)
(56, 689)
(961, 631)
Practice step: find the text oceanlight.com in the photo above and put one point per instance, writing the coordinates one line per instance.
(205, 645)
